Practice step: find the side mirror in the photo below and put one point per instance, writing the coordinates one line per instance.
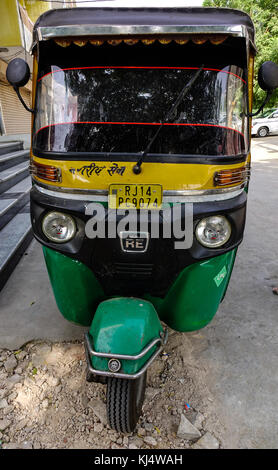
(268, 76)
(268, 81)
(18, 73)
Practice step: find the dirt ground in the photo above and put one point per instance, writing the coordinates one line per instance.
(45, 401)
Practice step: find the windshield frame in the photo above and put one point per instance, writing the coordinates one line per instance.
(151, 156)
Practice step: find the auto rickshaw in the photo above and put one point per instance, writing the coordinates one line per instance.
(139, 112)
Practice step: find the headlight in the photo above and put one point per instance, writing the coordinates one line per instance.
(213, 231)
(58, 227)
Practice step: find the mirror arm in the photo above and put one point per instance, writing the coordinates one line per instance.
(267, 98)
(16, 89)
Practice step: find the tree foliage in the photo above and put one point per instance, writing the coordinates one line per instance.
(264, 14)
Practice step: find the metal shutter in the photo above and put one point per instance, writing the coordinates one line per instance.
(16, 119)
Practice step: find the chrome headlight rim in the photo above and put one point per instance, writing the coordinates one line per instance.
(57, 214)
(204, 222)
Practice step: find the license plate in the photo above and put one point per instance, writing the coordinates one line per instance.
(135, 196)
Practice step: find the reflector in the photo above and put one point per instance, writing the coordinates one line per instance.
(46, 172)
(231, 176)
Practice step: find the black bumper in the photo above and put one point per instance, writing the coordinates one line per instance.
(123, 273)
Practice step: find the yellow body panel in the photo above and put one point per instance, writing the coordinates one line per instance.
(172, 176)
(35, 8)
(9, 32)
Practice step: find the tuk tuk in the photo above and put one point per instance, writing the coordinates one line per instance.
(140, 164)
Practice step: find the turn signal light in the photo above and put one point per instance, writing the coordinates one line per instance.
(46, 172)
(231, 176)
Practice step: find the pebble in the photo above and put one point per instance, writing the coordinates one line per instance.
(132, 446)
(26, 445)
(14, 379)
(150, 441)
(8, 409)
(22, 355)
(3, 393)
(99, 410)
(141, 431)
(4, 424)
(36, 445)
(12, 396)
(135, 441)
(10, 363)
(208, 441)
(21, 424)
(186, 430)
(3, 403)
(198, 423)
(149, 427)
(53, 381)
(98, 427)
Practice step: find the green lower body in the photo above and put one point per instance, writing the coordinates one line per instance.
(127, 325)
(190, 303)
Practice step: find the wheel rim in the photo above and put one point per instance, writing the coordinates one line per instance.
(262, 132)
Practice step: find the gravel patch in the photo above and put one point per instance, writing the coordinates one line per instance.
(45, 401)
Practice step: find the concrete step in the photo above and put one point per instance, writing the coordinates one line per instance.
(13, 175)
(8, 147)
(14, 239)
(12, 200)
(14, 158)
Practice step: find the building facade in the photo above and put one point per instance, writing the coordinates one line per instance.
(18, 17)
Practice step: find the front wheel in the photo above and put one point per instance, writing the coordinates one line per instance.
(124, 398)
(262, 132)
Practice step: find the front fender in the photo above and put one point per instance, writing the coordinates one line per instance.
(124, 326)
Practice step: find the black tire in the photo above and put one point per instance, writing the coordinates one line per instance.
(262, 132)
(124, 402)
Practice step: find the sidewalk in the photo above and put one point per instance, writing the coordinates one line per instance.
(27, 306)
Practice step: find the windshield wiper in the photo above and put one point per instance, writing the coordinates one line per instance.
(184, 91)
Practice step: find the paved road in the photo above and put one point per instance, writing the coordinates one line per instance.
(240, 346)
(238, 349)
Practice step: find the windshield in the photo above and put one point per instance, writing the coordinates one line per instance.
(117, 109)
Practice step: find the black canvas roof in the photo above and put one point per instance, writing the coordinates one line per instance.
(145, 16)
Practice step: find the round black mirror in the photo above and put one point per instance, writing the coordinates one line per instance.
(268, 76)
(18, 73)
